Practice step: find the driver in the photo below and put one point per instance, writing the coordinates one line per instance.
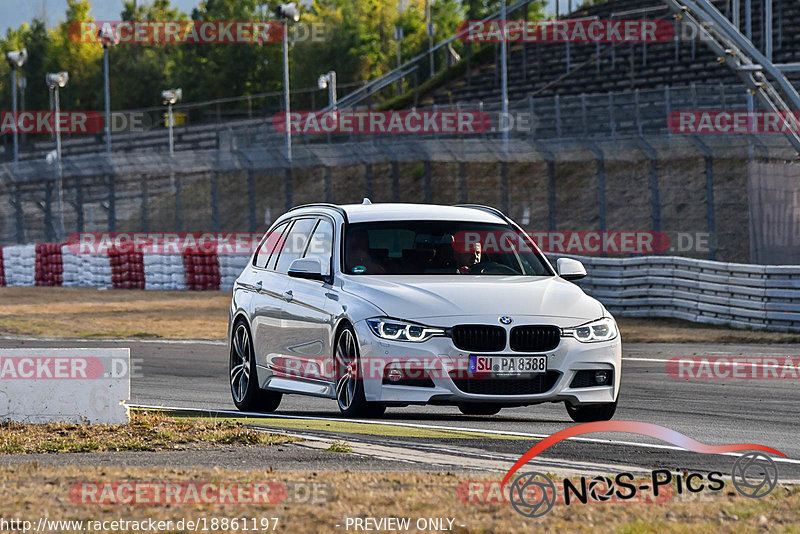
(469, 258)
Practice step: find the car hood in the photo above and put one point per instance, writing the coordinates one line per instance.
(421, 297)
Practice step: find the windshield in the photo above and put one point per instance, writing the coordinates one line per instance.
(440, 247)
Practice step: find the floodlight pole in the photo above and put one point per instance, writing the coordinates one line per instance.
(59, 174)
(286, 103)
(399, 64)
(768, 29)
(108, 98)
(504, 76)
(332, 89)
(429, 30)
(14, 114)
(170, 121)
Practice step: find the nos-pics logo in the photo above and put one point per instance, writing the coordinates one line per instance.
(533, 494)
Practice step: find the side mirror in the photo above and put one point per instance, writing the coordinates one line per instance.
(308, 268)
(570, 269)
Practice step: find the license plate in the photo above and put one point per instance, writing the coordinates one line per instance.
(507, 364)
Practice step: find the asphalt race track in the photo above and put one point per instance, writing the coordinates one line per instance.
(192, 374)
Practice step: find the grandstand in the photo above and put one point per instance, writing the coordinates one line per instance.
(549, 69)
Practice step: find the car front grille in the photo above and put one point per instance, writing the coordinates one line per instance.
(540, 383)
(479, 338)
(535, 338)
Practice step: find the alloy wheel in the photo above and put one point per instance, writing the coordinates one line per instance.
(240, 363)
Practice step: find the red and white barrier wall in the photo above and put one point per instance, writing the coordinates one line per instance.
(56, 264)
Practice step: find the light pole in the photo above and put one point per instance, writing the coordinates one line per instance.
(504, 76)
(398, 37)
(56, 81)
(15, 60)
(170, 96)
(429, 30)
(22, 82)
(107, 37)
(287, 12)
(328, 81)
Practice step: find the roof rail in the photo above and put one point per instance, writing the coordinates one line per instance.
(495, 211)
(322, 205)
(488, 209)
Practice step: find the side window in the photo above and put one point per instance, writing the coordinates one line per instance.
(321, 245)
(268, 246)
(294, 244)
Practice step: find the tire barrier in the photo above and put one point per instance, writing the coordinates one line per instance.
(85, 270)
(19, 263)
(127, 268)
(230, 267)
(711, 292)
(164, 271)
(56, 264)
(48, 266)
(201, 269)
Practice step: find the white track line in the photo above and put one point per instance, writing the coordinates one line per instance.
(118, 340)
(439, 427)
(730, 362)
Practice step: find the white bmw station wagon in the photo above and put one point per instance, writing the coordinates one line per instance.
(376, 305)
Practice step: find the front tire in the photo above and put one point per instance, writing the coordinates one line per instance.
(479, 409)
(245, 390)
(591, 412)
(349, 383)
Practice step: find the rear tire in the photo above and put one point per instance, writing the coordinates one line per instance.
(479, 409)
(349, 383)
(243, 374)
(590, 413)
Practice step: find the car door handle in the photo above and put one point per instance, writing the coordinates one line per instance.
(259, 286)
(288, 296)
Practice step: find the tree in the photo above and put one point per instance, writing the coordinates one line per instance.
(208, 71)
(80, 59)
(140, 71)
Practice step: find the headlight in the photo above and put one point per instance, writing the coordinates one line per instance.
(603, 329)
(399, 331)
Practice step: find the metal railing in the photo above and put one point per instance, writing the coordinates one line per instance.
(730, 294)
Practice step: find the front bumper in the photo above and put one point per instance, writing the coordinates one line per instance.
(441, 370)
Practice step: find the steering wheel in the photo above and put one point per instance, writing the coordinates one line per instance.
(496, 268)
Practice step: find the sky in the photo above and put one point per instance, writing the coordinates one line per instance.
(15, 12)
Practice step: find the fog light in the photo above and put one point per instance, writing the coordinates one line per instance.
(394, 375)
(602, 377)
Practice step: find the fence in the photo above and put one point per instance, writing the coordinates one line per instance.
(730, 294)
(670, 184)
